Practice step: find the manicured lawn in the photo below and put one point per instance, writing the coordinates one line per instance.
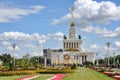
(15, 77)
(86, 74)
(11, 77)
(80, 74)
(42, 78)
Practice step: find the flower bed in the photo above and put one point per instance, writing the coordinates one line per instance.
(110, 74)
(117, 77)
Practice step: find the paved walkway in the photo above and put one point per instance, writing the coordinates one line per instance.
(28, 77)
(55, 77)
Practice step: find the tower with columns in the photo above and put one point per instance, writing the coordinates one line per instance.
(72, 52)
(72, 43)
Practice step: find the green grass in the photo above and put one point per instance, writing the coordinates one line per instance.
(80, 74)
(86, 74)
(15, 77)
(42, 78)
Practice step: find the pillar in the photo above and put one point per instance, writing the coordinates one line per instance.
(45, 62)
(74, 59)
(77, 45)
(80, 59)
(70, 45)
(74, 45)
(64, 45)
(84, 58)
(67, 45)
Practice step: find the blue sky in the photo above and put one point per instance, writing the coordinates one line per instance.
(37, 24)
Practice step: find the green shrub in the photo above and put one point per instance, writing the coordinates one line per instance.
(88, 64)
(54, 71)
(29, 72)
(11, 67)
(10, 73)
(73, 66)
(5, 68)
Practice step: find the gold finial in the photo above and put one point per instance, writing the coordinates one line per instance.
(72, 23)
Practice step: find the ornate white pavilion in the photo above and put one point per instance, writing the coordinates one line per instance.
(71, 52)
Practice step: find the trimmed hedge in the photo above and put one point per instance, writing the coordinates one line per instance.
(54, 71)
(26, 72)
(30, 72)
(10, 73)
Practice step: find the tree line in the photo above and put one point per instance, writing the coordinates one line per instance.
(25, 62)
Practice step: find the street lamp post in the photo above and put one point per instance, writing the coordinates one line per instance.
(14, 45)
(108, 45)
(118, 63)
(114, 57)
(58, 59)
(36, 62)
(45, 60)
(97, 60)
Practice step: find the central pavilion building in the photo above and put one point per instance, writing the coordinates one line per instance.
(71, 52)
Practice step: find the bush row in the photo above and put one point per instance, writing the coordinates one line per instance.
(54, 71)
(10, 73)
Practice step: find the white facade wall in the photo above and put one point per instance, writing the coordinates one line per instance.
(55, 56)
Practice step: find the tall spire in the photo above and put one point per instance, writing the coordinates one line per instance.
(72, 23)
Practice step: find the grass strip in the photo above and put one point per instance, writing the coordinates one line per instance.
(86, 74)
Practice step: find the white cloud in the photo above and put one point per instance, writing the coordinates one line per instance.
(90, 11)
(14, 36)
(27, 42)
(85, 37)
(103, 32)
(96, 30)
(36, 53)
(20, 36)
(41, 41)
(64, 18)
(112, 34)
(6, 43)
(117, 44)
(58, 34)
(58, 39)
(94, 46)
(9, 12)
